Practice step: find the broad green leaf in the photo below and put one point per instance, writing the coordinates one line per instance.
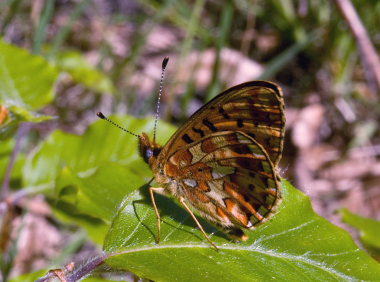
(70, 156)
(100, 174)
(26, 82)
(95, 228)
(369, 229)
(81, 71)
(295, 245)
(88, 176)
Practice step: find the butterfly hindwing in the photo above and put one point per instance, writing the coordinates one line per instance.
(228, 177)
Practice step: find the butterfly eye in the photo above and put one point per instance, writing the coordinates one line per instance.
(149, 153)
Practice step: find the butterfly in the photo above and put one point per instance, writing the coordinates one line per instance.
(223, 161)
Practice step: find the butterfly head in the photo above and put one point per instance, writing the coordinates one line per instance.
(149, 150)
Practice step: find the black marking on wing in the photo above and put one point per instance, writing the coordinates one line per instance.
(209, 124)
(223, 112)
(187, 139)
(199, 131)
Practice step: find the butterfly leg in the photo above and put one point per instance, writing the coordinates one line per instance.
(182, 200)
(161, 191)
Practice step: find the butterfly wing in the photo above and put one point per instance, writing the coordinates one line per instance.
(255, 108)
(228, 177)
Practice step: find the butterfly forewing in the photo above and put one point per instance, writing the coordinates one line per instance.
(255, 108)
(228, 177)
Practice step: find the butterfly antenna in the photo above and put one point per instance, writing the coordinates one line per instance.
(164, 64)
(100, 115)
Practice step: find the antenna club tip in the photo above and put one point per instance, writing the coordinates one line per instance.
(100, 115)
(165, 62)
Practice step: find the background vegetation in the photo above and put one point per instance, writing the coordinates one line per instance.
(73, 186)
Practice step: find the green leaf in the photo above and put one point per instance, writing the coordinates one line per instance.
(26, 80)
(100, 174)
(295, 245)
(78, 172)
(81, 71)
(100, 193)
(26, 85)
(369, 229)
(95, 228)
(78, 157)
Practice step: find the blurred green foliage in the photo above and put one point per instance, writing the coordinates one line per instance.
(92, 181)
(369, 230)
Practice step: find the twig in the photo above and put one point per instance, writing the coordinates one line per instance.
(87, 268)
(67, 274)
(370, 58)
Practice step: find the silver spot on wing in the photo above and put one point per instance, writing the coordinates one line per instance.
(190, 182)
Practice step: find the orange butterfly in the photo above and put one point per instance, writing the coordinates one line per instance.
(222, 162)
